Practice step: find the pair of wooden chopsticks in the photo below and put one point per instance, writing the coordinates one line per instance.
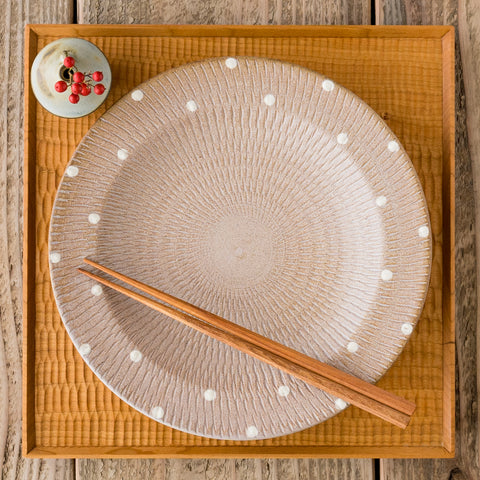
(368, 397)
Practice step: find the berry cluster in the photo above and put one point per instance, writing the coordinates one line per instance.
(79, 83)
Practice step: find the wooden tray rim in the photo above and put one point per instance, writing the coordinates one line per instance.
(317, 31)
(447, 36)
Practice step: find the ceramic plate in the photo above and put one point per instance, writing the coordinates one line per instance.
(260, 191)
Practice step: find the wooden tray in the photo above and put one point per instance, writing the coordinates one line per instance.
(407, 75)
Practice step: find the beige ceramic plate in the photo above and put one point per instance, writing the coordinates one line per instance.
(260, 191)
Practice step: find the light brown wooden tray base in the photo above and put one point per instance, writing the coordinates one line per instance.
(240, 452)
(406, 74)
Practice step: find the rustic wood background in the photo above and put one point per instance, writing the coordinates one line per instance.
(464, 14)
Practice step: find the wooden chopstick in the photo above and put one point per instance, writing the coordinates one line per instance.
(327, 371)
(354, 390)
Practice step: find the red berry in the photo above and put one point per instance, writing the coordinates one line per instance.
(86, 90)
(76, 88)
(97, 76)
(61, 86)
(98, 88)
(69, 62)
(73, 98)
(78, 77)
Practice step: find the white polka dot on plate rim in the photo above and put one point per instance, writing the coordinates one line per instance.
(94, 218)
(386, 275)
(137, 95)
(393, 146)
(231, 62)
(157, 412)
(122, 154)
(269, 100)
(352, 347)
(423, 231)
(209, 395)
(407, 328)
(252, 431)
(381, 201)
(72, 171)
(84, 349)
(340, 404)
(135, 356)
(192, 106)
(342, 138)
(328, 85)
(283, 390)
(96, 290)
(55, 257)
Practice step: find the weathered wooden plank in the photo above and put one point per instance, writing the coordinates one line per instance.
(199, 469)
(122, 469)
(223, 469)
(419, 469)
(14, 15)
(415, 12)
(334, 469)
(469, 335)
(339, 12)
(467, 223)
(304, 469)
(45, 11)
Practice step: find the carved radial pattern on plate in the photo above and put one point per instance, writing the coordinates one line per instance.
(262, 192)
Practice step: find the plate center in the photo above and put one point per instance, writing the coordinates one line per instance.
(240, 250)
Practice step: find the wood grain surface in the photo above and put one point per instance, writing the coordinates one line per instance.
(16, 13)
(60, 374)
(281, 12)
(240, 469)
(466, 18)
